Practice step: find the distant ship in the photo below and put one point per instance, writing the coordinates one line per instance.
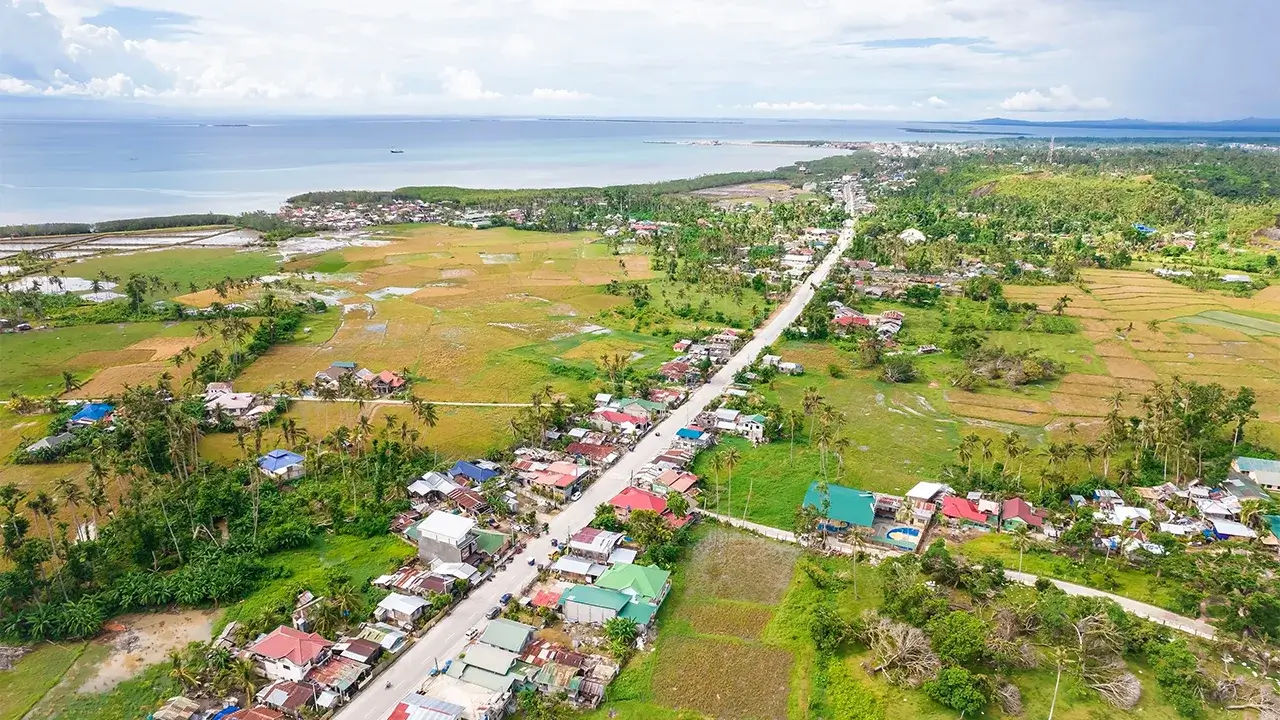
(397, 152)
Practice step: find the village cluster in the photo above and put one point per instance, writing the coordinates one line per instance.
(470, 520)
(1199, 513)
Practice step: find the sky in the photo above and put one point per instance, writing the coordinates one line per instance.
(892, 59)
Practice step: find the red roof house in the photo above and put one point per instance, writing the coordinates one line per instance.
(633, 498)
(963, 509)
(679, 481)
(592, 451)
(1017, 509)
(259, 712)
(288, 654)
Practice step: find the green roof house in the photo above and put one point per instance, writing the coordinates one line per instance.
(848, 506)
(597, 605)
(644, 583)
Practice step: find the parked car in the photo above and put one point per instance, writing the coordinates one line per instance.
(493, 612)
(472, 632)
(576, 494)
(506, 598)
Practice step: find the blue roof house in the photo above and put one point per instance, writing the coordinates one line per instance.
(472, 471)
(92, 414)
(281, 465)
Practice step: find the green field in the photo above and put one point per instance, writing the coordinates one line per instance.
(35, 360)
(1234, 321)
(186, 266)
(34, 675)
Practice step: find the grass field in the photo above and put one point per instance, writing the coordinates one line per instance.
(33, 676)
(360, 559)
(461, 432)
(186, 266)
(715, 659)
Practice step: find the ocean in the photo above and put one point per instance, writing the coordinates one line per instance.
(85, 171)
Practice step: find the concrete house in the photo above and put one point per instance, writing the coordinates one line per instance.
(289, 654)
(281, 465)
(446, 537)
(1265, 473)
(403, 610)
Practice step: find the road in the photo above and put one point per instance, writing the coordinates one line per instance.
(1191, 626)
(448, 636)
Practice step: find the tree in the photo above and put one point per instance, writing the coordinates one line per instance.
(69, 381)
(648, 528)
(1061, 304)
(858, 537)
(960, 689)
(621, 634)
(898, 369)
(678, 504)
(959, 638)
(1021, 537)
(827, 628)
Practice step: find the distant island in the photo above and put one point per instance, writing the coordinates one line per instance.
(952, 131)
(1250, 124)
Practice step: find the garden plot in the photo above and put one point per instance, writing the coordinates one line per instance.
(722, 678)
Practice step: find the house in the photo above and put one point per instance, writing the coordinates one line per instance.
(361, 650)
(1242, 487)
(336, 678)
(477, 472)
(91, 414)
(50, 443)
(332, 376)
(214, 389)
(432, 485)
(642, 583)
(289, 654)
(790, 368)
(243, 408)
(693, 438)
(257, 712)
(1265, 473)
(563, 479)
(964, 512)
(281, 465)
(679, 371)
(681, 345)
(178, 707)
(287, 696)
(595, 544)
(591, 605)
(673, 480)
(847, 506)
(578, 569)
(923, 499)
(388, 638)
(446, 536)
(416, 706)
(633, 498)
(387, 382)
(404, 610)
(469, 501)
(668, 397)
(1123, 516)
(770, 360)
(1229, 530)
(618, 422)
(598, 454)
(1016, 511)
(507, 635)
(1107, 498)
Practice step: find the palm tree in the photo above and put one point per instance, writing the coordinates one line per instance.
(811, 401)
(72, 495)
(1089, 452)
(858, 540)
(731, 458)
(793, 417)
(181, 671)
(69, 381)
(717, 464)
(987, 455)
(1021, 536)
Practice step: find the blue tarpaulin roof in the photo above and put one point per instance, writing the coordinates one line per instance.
(278, 459)
(93, 412)
(1144, 229)
(689, 433)
(479, 474)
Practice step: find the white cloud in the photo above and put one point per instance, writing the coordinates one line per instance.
(558, 94)
(10, 85)
(936, 102)
(1060, 98)
(461, 84)
(810, 106)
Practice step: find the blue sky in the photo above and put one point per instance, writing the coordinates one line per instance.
(917, 59)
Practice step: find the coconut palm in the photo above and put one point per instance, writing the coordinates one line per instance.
(1021, 538)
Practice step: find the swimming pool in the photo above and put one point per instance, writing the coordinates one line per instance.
(905, 537)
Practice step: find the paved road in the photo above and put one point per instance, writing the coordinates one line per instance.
(1187, 625)
(448, 636)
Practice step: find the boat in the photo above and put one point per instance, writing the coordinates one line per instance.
(397, 151)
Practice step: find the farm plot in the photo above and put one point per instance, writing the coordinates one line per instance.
(723, 679)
